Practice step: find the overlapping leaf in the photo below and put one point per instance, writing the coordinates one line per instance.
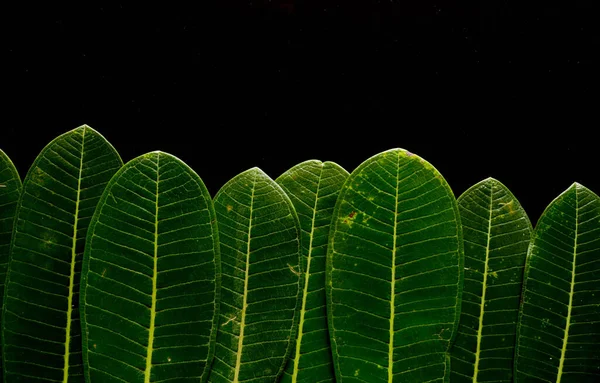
(313, 187)
(10, 190)
(151, 276)
(41, 329)
(395, 267)
(559, 321)
(261, 279)
(496, 233)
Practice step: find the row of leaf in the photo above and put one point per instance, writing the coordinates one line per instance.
(135, 274)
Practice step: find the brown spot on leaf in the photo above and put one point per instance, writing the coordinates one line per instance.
(293, 270)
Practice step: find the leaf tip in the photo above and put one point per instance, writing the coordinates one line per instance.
(85, 128)
(258, 172)
(576, 187)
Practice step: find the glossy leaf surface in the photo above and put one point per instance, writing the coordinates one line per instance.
(496, 233)
(41, 329)
(10, 190)
(395, 266)
(313, 187)
(261, 280)
(150, 276)
(559, 322)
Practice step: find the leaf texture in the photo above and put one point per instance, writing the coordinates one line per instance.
(151, 276)
(261, 279)
(10, 190)
(559, 321)
(41, 329)
(394, 272)
(496, 233)
(313, 187)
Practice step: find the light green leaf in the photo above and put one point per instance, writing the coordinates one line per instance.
(261, 280)
(41, 330)
(151, 276)
(394, 272)
(496, 233)
(10, 190)
(558, 334)
(313, 187)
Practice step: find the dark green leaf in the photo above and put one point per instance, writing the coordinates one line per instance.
(558, 334)
(394, 272)
(41, 330)
(150, 276)
(496, 233)
(10, 190)
(261, 284)
(313, 187)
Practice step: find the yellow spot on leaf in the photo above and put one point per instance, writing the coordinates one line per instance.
(94, 345)
(169, 358)
(357, 372)
(48, 239)
(494, 274)
(38, 176)
(229, 208)
(509, 206)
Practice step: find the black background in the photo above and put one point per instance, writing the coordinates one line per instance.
(506, 89)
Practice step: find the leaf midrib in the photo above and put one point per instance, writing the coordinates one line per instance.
(393, 279)
(483, 291)
(238, 360)
(306, 280)
(154, 274)
(571, 293)
(72, 272)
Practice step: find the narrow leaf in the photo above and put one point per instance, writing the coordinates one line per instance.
(10, 190)
(496, 233)
(41, 329)
(151, 276)
(394, 272)
(559, 321)
(261, 283)
(313, 186)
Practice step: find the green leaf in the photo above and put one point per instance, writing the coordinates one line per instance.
(559, 321)
(10, 190)
(261, 284)
(313, 186)
(41, 330)
(496, 233)
(394, 272)
(151, 276)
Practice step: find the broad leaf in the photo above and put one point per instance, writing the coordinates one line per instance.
(151, 276)
(394, 272)
(10, 190)
(558, 334)
(41, 329)
(313, 187)
(261, 279)
(496, 233)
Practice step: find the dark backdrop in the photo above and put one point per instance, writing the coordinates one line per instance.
(499, 88)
